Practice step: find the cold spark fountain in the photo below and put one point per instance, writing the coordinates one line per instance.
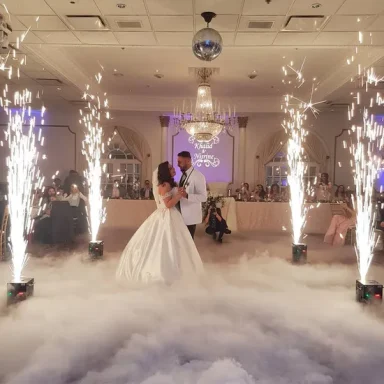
(23, 177)
(23, 174)
(293, 125)
(295, 110)
(93, 148)
(366, 142)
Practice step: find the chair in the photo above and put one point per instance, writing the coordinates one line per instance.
(350, 237)
(337, 209)
(3, 233)
(62, 222)
(80, 219)
(378, 239)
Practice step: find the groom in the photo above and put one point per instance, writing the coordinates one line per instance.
(193, 188)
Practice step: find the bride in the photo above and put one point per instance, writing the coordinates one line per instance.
(162, 249)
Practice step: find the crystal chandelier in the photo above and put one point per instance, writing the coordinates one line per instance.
(206, 121)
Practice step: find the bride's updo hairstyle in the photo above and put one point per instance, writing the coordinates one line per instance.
(164, 176)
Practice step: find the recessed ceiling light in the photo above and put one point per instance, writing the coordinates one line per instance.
(115, 70)
(120, 5)
(316, 5)
(253, 75)
(58, 88)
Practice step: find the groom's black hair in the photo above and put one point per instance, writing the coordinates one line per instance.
(185, 154)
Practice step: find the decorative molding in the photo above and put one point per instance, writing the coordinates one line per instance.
(164, 121)
(242, 121)
(245, 105)
(58, 126)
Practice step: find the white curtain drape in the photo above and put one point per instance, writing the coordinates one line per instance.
(266, 153)
(313, 147)
(139, 148)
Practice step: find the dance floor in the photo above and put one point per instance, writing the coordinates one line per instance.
(252, 319)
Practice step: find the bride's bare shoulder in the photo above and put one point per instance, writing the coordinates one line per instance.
(165, 187)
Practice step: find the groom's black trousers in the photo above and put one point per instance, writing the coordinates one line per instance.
(192, 230)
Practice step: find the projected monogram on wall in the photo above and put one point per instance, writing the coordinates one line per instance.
(214, 159)
(202, 155)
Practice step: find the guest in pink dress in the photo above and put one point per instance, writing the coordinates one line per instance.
(339, 225)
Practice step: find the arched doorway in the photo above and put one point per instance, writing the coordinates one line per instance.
(126, 159)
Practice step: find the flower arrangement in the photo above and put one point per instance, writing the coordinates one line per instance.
(213, 200)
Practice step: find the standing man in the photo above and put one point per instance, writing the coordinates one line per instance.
(194, 191)
(146, 192)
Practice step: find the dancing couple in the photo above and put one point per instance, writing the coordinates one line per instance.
(163, 248)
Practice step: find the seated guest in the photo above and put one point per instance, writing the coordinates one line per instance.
(77, 202)
(286, 194)
(146, 192)
(115, 191)
(340, 224)
(59, 188)
(75, 196)
(259, 193)
(245, 192)
(216, 224)
(73, 178)
(48, 196)
(274, 193)
(340, 193)
(324, 188)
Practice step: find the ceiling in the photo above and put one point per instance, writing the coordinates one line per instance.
(130, 41)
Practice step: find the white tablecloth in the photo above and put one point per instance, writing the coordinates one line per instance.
(270, 217)
(276, 217)
(229, 213)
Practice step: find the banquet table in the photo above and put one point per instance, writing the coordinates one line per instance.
(240, 216)
(132, 213)
(276, 217)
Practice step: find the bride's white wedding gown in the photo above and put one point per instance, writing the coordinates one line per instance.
(162, 249)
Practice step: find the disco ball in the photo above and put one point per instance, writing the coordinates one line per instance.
(207, 44)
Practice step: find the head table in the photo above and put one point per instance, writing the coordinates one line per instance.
(240, 216)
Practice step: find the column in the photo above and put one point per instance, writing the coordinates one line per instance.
(164, 123)
(242, 121)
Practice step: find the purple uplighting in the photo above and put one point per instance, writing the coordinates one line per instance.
(213, 159)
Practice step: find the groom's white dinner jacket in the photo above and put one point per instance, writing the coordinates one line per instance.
(196, 188)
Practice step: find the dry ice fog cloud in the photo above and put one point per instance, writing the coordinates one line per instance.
(257, 321)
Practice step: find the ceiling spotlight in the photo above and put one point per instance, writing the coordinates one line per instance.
(58, 88)
(316, 5)
(120, 5)
(253, 75)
